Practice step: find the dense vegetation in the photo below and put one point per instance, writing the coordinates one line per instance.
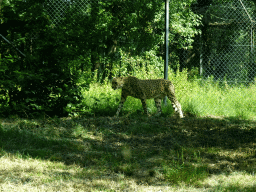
(51, 50)
(57, 59)
(48, 46)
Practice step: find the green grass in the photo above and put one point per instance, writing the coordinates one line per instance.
(198, 98)
(211, 98)
(127, 153)
(130, 153)
(187, 168)
(211, 149)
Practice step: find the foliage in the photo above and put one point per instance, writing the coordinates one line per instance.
(52, 53)
(90, 42)
(42, 81)
(225, 47)
(184, 24)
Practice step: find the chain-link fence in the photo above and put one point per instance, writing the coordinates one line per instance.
(113, 27)
(226, 48)
(113, 36)
(224, 51)
(59, 9)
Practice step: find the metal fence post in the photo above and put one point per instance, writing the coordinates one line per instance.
(166, 43)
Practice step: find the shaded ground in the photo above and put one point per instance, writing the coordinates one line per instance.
(138, 148)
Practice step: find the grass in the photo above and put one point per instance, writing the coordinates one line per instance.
(211, 149)
(130, 153)
(198, 98)
(211, 98)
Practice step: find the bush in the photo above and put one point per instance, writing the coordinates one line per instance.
(36, 80)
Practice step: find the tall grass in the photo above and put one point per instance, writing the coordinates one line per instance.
(209, 97)
(198, 97)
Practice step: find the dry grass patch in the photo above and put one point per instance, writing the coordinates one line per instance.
(236, 181)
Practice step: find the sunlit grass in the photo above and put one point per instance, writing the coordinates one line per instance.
(197, 97)
(236, 181)
(183, 170)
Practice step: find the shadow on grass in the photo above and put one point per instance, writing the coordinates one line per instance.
(147, 149)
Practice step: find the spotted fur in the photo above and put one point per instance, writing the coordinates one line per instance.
(146, 89)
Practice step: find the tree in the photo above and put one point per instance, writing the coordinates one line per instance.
(62, 40)
(225, 43)
(42, 81)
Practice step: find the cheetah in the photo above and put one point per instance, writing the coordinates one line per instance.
(146, 89)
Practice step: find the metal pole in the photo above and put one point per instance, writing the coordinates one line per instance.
(201, 56)
(166, 42)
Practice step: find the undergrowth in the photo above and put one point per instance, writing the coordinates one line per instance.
(198, 97)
